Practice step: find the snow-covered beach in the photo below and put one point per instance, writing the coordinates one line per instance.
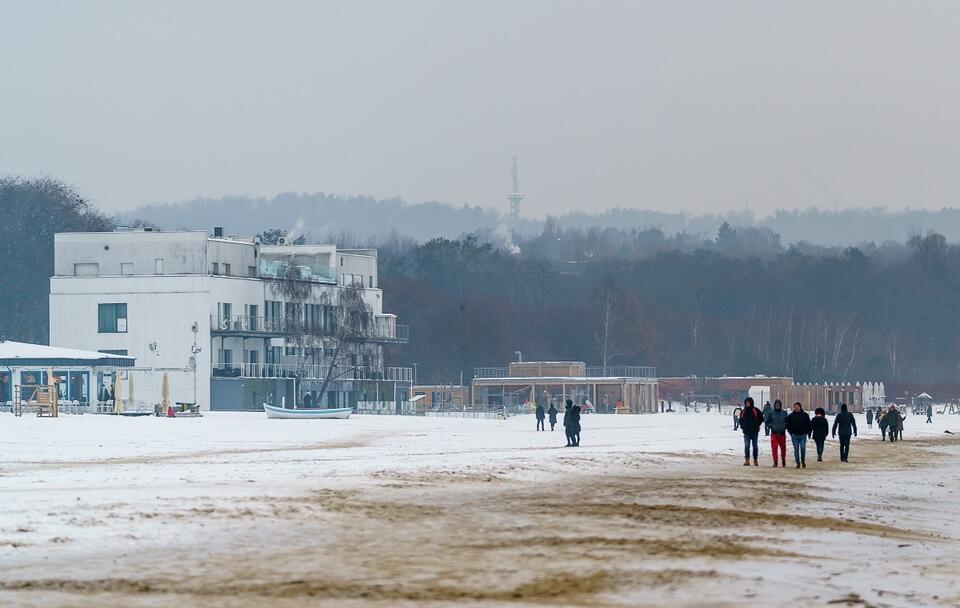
(238, 510)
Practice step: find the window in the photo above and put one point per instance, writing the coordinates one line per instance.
(371, 281)
(158, 265)
(86, 270)
(341, 260)
(216, 268)
(252, 272)
(116, 351)
(252, 322)
(226, 270)
(126, 268)
(112, 318)
(226, 311)
(312, 316)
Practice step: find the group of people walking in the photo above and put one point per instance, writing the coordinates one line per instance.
(571, 421)
(799, 425)
(891, 421)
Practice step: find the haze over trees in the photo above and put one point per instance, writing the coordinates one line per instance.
(367, 217)
(740, 300)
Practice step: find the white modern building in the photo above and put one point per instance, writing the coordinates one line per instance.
(210, 306)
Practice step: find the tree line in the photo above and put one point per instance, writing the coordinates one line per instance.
(740, 302)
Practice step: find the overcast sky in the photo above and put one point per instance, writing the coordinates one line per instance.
(663, 105)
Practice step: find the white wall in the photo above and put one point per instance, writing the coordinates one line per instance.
(182, 252)
(160, 309)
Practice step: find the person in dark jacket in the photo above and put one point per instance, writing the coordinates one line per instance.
(882, 423)
(844, 425)
(767, 408)
(776, 423)
(930, 413)
(819, 429)
(798, 425)
(869, 418)
(749, 422)
(575, 425)
(893, 420)
(541, 414)
(552, 414)
(567, 413)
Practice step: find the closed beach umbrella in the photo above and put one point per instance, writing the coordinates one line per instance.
(117, 395)
(165, 392)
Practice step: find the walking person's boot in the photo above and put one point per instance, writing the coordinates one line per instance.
(783, 462)
(755, 463)
(803, 463)
(746, 462)
(798, 465)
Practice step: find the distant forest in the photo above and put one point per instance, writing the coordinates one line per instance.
(740, 300)
(317, 215)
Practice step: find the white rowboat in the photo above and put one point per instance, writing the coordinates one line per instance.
(282, 412)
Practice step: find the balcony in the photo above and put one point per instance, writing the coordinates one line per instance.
(248, 326)
(312, 372)
(244, 325)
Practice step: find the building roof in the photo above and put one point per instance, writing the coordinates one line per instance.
(23, 354)
(525, 380)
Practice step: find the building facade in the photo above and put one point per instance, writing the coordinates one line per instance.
(217, 306)
(628, 389)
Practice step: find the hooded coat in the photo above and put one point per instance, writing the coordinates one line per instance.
(750, 420)
(845, 424)
(574, 426)
(776, 420)
(552, 412)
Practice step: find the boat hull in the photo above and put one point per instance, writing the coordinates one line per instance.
(306, 414)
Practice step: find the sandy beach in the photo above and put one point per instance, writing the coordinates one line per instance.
(657, 510)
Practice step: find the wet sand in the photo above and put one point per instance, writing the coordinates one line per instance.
(591, 529)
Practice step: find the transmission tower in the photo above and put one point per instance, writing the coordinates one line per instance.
(515, 196)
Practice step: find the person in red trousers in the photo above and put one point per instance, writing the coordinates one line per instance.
(776, 419)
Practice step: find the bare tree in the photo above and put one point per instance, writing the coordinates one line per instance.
(893, 346)
(607, 325)
(348, 325)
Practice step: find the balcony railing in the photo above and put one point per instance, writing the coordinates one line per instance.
(489, 372)
(249, 324)
(283, 326)
(610, 371)
(622, 371)
(318, 372)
